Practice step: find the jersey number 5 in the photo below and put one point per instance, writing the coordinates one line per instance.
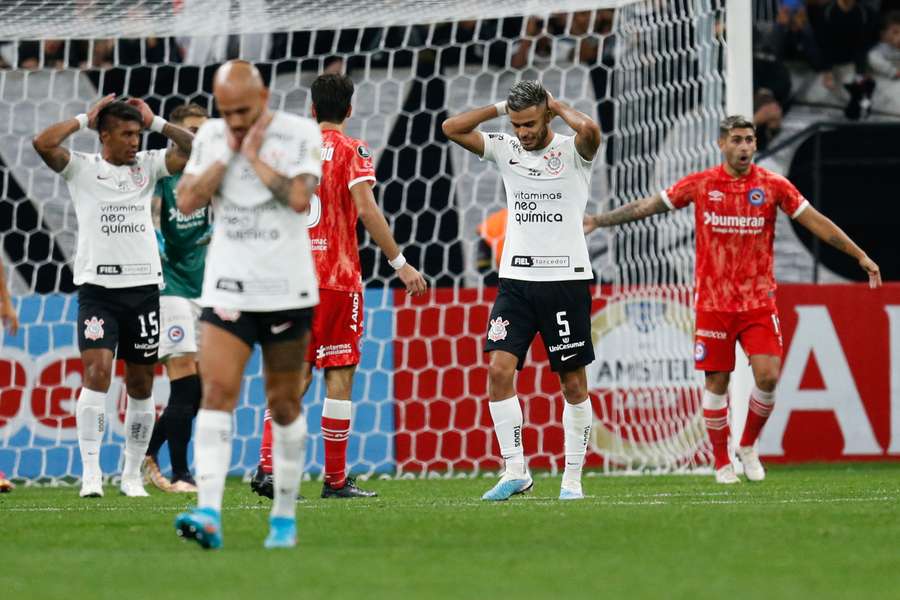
(561, 319)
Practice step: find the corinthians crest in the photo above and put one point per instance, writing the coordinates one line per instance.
(137, 175)
(554, 162)
(93, 328)
(497, 331)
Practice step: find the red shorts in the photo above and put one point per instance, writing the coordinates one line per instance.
(758, 331)
(337, 328)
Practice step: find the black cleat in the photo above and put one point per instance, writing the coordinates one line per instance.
(263, 484)
(348, 490)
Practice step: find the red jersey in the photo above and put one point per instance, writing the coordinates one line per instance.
(735, 228)
(332, 212)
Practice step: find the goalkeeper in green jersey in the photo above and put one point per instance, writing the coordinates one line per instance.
(183, 240)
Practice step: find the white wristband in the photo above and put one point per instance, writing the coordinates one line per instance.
(398, 263)
(501, 108)
(157, 124)
(82, 121)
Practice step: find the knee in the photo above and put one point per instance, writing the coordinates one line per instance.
(139, 384)
(767, 380)
(501, 375)
(97, 375)
(574, 390)
(283, 409)
(218, 394)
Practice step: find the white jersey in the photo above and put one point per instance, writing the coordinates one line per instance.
(546, 194)
(116, 244)
(259, 258)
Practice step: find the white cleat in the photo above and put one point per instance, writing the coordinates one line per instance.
(133, 488)
(91, 488)
(753, 468)
(571, 490)
(727, 475)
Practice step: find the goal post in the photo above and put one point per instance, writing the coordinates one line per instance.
(650, 72)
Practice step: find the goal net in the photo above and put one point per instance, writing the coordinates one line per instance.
(650, 72)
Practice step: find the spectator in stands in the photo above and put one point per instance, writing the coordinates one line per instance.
(846, 32)
(56, 54)
(884, 59)
(767, 115)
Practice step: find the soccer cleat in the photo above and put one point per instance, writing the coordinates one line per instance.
(507, 487)
(183, 486)
(91, 487)
(6, 485)
(153, 476)
(348, 490)
(282, 533)
(203, 525)
(753, 468)
(133, 488)
(571, 490)
(262, 483)
(727, 475)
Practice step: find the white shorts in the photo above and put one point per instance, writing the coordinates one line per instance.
(180, 333)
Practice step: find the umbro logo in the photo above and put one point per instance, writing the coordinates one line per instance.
(716, 196)
(276, 329)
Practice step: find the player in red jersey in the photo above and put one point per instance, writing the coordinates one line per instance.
(735, 210)
(344, 195)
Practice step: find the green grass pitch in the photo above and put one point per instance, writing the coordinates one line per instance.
(813, 532)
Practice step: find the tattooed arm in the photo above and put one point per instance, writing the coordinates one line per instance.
(633, 211)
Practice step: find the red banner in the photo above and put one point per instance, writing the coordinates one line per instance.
(834, 402)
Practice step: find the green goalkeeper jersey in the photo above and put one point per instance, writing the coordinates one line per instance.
(186, 238)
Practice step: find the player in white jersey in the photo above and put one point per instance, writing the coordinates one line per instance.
(259, 169)
(117, 269)
(545, 273)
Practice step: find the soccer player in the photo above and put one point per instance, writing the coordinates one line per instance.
(735, 210)
(117, 269)
(344, 195)
(182, 241)
(545, 272)
(259, 168)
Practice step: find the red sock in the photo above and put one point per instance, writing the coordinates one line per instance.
(265, 449)
(757, 416)
(335, 434)
(718, 431)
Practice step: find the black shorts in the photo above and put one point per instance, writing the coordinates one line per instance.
(559, 310)
(261, 327)
(124, 320)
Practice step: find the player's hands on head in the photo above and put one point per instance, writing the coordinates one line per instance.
(412, 280)
(552, 104)
(252, 142)
(870, 267)
(96, 108)
(146, 113)
(8, 316)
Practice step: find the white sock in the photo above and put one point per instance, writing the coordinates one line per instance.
(507, 418)
(212, 453)
(288, 459)
(90, 416)
(577, 420)
(139, 418)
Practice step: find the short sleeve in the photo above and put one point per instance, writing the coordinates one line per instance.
(306, 156)
(490, 141)
(201, 151)
(157, 164)
(361, 167)
(76, 164)
(681, 193)
(789, 198)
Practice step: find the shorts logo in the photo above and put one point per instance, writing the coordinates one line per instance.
(227, 315)
(175, 333)
(497, 332)
(93, 328)
(756, 196)
(699, 351)
(554, 162)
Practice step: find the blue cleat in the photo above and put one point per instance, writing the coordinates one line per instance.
(282, 533)
(571, 491)
(204, 525)
(508, 487)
